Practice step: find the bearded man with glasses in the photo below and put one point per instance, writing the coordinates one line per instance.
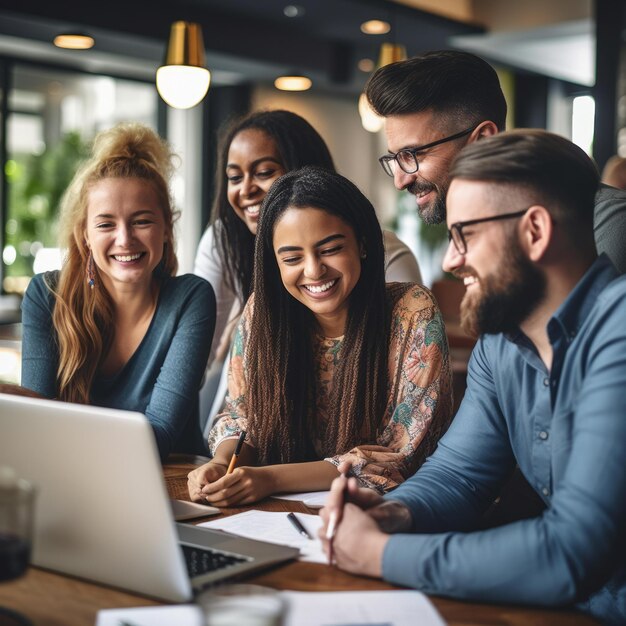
(545, 391)
(437, 103)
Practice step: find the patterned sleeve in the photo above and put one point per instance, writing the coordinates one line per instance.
(419, 408)
(230, 423)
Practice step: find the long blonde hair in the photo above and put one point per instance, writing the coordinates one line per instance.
(83, 316)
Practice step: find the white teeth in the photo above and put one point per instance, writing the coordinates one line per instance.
(470, 280)
(253, 210)
(126, 257)
(320, 288)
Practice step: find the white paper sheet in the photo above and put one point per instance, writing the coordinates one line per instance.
(360, 608)
(312, 499)
(181, 615)
(275, 528)
(305, 608)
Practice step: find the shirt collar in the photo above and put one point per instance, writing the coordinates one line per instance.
(569, 317)
(575, 309)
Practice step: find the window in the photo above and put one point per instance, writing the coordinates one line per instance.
(52, 115)
(583, 112)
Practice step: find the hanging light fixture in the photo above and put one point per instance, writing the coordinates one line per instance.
(183, 80)
(389, 53)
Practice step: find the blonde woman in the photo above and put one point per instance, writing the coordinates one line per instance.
(115, 327)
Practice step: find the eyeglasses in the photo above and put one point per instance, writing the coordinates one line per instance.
(407, 158)
(455, 232)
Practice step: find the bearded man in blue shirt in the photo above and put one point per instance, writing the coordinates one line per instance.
(545, 390)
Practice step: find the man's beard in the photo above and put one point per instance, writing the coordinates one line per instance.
(503, 300)
(435, 211)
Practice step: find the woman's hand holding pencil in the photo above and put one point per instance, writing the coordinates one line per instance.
(236, 453)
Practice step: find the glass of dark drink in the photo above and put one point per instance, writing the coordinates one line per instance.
(17, 497)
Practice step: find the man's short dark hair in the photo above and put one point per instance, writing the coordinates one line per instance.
(451, 82)
(555, 173)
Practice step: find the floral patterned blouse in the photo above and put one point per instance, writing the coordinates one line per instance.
(419, 408)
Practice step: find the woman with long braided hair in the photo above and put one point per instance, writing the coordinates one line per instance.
(329, 362)
(115, 326)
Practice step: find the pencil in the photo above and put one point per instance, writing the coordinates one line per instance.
(332, 522)
(233, 460)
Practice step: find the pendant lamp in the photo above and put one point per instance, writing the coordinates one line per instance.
(389, 53)
(183, 80)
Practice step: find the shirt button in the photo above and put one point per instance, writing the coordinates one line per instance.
(546, 382)
(543, 435)
(545, 491)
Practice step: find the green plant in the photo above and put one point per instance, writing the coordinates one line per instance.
(36, 183)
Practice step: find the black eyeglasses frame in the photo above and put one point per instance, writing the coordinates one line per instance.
(386, 159)
(455, 232)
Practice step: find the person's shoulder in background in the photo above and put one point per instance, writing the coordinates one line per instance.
(400, 262)
(609, 224)
(614, 172)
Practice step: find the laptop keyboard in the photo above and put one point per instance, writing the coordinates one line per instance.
(202, 561)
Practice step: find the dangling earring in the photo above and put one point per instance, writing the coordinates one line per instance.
(91, 276)
(364, 255)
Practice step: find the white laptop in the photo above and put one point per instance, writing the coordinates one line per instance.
(102, 510)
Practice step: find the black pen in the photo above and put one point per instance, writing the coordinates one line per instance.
(297, 524)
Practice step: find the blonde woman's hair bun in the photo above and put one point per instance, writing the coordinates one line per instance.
(134, 141)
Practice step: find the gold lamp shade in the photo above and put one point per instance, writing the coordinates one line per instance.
(183, 80)
(390, 53)
(186, 46)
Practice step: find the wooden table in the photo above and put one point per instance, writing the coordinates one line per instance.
(51, 599)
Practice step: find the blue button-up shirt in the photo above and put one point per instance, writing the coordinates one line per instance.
(566, 428)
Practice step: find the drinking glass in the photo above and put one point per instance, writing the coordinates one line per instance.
(238, 604)
(17, 497)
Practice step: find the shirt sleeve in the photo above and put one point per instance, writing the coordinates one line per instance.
(420, 404)
(40, 355)
(208, 265)
(400, 263)
(175, 393)
(609, 224)
(570, 550)
(233, 420)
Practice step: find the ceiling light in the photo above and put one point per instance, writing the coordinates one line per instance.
(183, 80)
(366, 65)
(294, 10)
(375, 27)
(293, 83)
(74, 41)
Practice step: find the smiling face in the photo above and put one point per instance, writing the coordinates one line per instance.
(503, 286)
(430, 183)
(320, 264)
(253, 164)
(125, 231)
